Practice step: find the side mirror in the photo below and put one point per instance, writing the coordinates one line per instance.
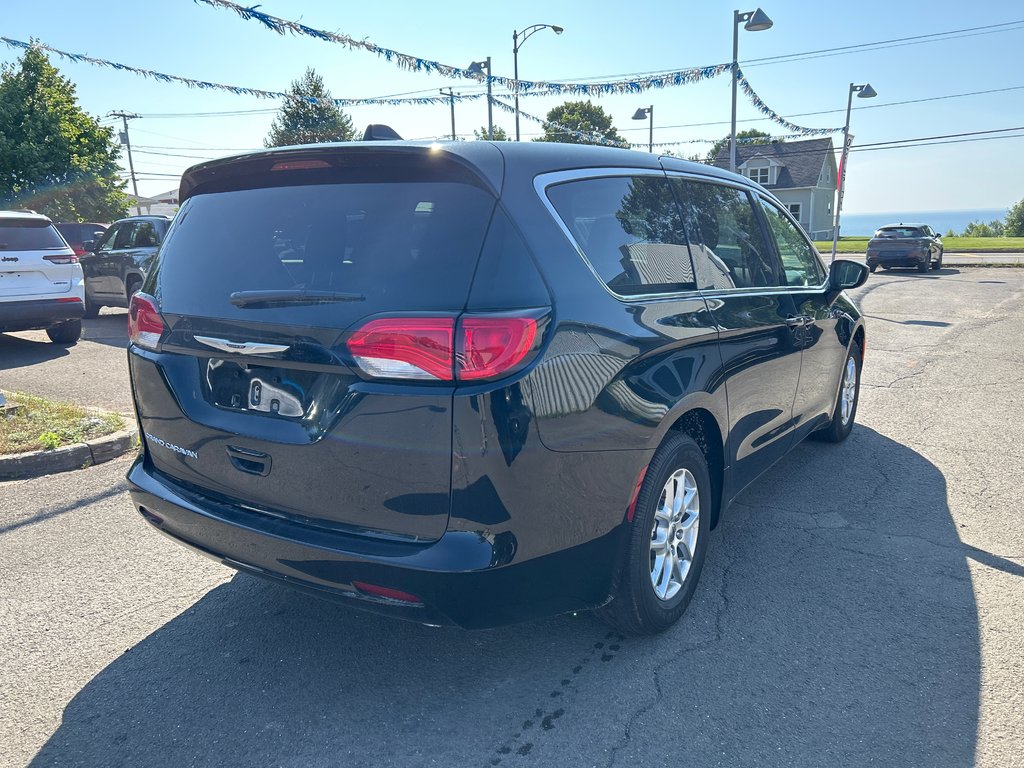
(845, 274)
(89, 246)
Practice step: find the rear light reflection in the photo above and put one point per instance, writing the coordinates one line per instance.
(145, 326)
(386, 592)
(473, 348)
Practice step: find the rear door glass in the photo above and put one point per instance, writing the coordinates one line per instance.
(145, 235)
(728, 246)
(409, 246)
(629, 229)
(29, 236)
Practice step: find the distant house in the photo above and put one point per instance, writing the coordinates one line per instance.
(802, 174)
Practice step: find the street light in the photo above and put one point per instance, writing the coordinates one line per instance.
(642, 113)
(477, 68)
(518, 38)
(756, 21)
(863, 92)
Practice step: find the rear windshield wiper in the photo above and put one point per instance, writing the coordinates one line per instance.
(264, 299)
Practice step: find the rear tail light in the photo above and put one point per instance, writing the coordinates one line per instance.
(61, 258)
(406, 348)
(145, 326)
(491, 346)
(471, 348)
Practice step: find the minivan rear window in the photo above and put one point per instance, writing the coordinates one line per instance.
(399, 246)
(29, 236)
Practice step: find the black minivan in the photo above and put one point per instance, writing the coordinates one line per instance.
(475, 383)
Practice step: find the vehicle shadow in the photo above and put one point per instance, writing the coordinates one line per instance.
(110, 328)
(835, 624)
(16, 352)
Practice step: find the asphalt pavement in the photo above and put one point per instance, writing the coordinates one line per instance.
(861, 604)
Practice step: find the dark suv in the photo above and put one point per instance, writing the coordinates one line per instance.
(117, 263)
(476, 383)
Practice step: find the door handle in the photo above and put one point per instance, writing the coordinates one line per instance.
(797, 321)
(248, 460)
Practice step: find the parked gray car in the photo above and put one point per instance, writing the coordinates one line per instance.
(905, 245)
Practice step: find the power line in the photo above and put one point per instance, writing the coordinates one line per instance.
(992, 29)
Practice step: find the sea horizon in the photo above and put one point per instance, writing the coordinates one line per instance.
(865, 224)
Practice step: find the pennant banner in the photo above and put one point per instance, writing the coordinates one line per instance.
(774, 116)
(422, 64)
(236, 89)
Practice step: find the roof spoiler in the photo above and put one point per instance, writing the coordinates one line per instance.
(380, 132)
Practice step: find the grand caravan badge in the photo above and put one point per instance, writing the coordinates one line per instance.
(171, 446)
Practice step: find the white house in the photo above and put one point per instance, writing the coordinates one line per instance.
(802, 174)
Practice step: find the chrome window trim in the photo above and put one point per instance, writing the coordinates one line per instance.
(541, 183)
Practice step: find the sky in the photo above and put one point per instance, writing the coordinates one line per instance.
(602, 40)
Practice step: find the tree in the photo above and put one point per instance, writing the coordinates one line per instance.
(1015, 221)
(54, 158)
(500, 134)
(755, 136)
(994, 228)
(582, 116)
(302, 121)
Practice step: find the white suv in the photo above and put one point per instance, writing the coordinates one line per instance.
(41, 282)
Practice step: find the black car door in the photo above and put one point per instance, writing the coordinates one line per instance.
(99, 267)
(822, 351)
(740, 277)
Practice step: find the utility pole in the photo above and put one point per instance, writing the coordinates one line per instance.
(451, 101)
(125, 117)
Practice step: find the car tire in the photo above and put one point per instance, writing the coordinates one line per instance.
(937, 264)
(872, 268)
(133, 287)
(92, 309)
(923, 266)
(66, 333)
(846, 402)
(676, 477)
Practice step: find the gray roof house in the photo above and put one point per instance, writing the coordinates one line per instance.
(802, 174)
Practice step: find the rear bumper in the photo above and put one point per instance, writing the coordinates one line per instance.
(468, 579)
(38, 314)
(898, 259)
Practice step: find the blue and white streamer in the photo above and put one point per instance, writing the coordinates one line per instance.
(771, 114)
(422, 64)
(236, 89)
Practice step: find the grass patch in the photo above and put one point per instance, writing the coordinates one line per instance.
(950, 244)
(41, 424)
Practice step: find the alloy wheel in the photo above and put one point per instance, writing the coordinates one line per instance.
(674, 534)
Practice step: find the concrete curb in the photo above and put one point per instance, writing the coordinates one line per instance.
(22, 466)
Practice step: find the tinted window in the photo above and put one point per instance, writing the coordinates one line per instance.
(799, 264)
(145, 235)
(728, 247)
(405, 246)
(29, 236)
(899, 232)
(107, 241)
(630, 231)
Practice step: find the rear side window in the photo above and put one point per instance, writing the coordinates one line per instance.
(729, 250)
(145, 235)
(400, 246)
(29, 236)
(629, 230)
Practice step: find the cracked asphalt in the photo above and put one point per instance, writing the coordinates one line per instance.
(862, 604)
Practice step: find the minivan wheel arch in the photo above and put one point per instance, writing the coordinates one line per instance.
(702, 427)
